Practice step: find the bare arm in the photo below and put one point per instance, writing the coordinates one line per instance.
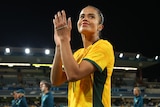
(73, 70)
(57, 75)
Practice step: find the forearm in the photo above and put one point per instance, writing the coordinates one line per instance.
(70, 65)
(57, 75)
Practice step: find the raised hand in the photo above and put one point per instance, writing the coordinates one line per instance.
(62, 27)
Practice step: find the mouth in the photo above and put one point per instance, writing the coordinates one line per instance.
(85, 24)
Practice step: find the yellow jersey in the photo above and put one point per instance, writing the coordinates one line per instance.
(95, 89)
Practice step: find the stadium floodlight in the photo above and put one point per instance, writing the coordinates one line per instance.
(27, 51)
(47, 51)
(7, 51)
(121, 55)
(156, 57)
(138, 56)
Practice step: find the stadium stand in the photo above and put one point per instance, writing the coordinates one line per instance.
(28, 78)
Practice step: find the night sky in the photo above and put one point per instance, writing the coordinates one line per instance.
(131, 26)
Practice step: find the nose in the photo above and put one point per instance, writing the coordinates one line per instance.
(84, 19)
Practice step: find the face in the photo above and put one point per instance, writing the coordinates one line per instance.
(42, 87)
(135, 91)
(89, 21)
(19, 95)
(14, 95)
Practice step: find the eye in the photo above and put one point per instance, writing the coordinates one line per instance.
(91, 16)
(81, 16)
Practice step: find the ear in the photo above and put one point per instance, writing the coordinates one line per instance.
(100, 27)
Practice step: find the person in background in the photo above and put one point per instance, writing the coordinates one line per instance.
(138, 99)
(14, 100)
(21, 101)
(88, 70)
(47, 99)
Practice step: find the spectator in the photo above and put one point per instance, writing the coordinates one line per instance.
(138, 99)
(14, 100)
(21, 101)
(47, 99)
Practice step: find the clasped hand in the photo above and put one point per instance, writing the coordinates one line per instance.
(62, 25)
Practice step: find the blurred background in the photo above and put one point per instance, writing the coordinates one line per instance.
(27, 48)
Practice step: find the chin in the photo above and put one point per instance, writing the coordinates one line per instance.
(84, 31)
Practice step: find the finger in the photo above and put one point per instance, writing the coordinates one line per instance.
(64, 16)
(59, 18)
(69, 23)
(54, 25)
(55, 20)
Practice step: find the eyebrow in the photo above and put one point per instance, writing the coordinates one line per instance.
(87, 14)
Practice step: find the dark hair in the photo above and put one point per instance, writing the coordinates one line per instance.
(47, 84)
(101, 16)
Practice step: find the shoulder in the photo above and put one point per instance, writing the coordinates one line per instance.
(104, 45)
(78, 50)
(104, 42)
(49, 94)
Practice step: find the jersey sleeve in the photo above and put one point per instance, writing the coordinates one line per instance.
(100, 55)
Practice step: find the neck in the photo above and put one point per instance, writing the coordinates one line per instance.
(45, 91)
(89, 40)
